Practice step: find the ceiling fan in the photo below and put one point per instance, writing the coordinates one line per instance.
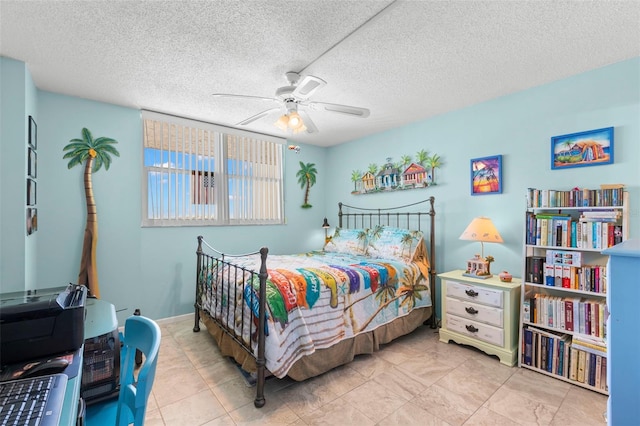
(294, 99)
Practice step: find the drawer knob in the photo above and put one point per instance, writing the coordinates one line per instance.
(471, 293)
(471, 310)
(471, 328)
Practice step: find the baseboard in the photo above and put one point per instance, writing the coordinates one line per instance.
(171, 320)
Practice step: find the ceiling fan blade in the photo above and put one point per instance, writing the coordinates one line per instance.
(309, 124)
(257, 116)
(342, 109)
(229, 95)
(308, 86)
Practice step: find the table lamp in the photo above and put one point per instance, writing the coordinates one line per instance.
(480, 229)
(326, 226)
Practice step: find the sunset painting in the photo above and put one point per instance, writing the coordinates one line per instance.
(486, 175)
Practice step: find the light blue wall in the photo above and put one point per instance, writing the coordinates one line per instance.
(519, 127)
(153, 268)
(148, 268)
(17, 251)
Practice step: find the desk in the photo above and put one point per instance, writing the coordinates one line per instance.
(100, 318)
(71, 397)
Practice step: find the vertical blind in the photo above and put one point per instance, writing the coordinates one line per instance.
(198, 173)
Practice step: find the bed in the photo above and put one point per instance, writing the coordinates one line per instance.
(304, 314)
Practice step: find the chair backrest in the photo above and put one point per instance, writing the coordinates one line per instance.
(143, 334)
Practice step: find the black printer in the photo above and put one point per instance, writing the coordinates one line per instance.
(38, 323)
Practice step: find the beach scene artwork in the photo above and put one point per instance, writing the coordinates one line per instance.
(590, 148)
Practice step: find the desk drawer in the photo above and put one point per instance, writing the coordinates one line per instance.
(476, 329)
(475, 311)
(478, 294)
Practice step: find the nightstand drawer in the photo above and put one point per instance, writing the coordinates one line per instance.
(476, 329)
(478, 294)
(475, 311)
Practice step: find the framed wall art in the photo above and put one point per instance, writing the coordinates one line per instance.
(486, 175)
(32, 163)
(590, 148)
(33, 133)
(31, 192)
(32, 221)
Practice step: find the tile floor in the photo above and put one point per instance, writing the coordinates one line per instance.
(414, 380)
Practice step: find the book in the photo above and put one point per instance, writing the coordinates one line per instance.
(539, 350)
(566, 276)
(557, 275)
(582, 363)
(573, 363)
(537, 273)
(560, 368)
(592, 369)
(552, 358)
(565, 372)
(528, 346)
(568, 315)
(549, 274)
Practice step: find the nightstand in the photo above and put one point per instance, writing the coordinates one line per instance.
(483, 313)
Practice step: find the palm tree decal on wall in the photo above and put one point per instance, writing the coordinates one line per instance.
(434, 162)
(94, 153)
(306, 178)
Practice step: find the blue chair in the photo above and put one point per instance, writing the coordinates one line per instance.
(143, 334)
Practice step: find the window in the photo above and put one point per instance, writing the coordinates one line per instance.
(198, 173)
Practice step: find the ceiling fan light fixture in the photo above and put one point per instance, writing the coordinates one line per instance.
(295, 121)
(282, 122)
(299, 129)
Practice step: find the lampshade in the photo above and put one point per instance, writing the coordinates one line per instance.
(282, 122)
(482, 229)
(292, 121)
(325, 224)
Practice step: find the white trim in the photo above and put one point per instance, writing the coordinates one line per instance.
(175, 319)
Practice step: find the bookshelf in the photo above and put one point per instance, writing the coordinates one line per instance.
(563, 331)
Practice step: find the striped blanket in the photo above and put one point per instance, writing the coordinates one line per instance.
(317, 299)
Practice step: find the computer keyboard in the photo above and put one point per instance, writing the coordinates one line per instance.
(35, 401)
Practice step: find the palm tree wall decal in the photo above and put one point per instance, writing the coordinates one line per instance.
(434, 162)
(94, 153)
(306, 178)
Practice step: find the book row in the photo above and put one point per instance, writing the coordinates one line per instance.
(586, 232)
(566, 314)
(591, 278)
(557, 355)
(575, 197)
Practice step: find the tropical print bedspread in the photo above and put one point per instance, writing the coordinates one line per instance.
(317, 299)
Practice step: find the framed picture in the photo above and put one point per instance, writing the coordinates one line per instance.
(32, 164)
(32, 221)
(33, 133)
(31, 192)
(486, 175)
(590, 148)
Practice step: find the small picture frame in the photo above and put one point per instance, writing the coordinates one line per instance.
(32, 221)
(486, 175)
(33, 133)
(589, 148)
(32, 164)
(31, 192)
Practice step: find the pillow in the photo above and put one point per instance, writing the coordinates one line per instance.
(353, 241)
(394, 243)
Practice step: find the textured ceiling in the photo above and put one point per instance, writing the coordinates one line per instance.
(404, 60)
